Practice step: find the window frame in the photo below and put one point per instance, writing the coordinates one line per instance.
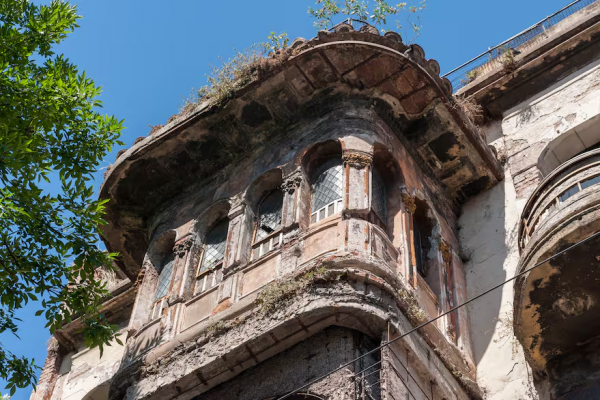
(219, 264)
(274, 239)
(335, 206)
(159, 304)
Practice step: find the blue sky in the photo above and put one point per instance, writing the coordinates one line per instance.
(148, 55)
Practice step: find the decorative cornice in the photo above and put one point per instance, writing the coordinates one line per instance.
(182, 247)
(357, 159)
(409, 203)
(291, 183)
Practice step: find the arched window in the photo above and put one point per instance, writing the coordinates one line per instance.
(379, 197)
(210, 272)
(267, 234)
(214, 247)
(164, 282)
(327, 190)
(164, 279)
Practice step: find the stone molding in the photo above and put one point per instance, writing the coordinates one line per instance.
(357, 159)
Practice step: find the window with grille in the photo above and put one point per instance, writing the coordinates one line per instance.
(379, 197)
(164, 279)
(268, 225)
(214, 247)
(162, 289)
(327, 190)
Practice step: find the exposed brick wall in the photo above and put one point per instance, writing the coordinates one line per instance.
(49, 375)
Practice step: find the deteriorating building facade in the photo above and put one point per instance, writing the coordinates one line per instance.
(279, 243)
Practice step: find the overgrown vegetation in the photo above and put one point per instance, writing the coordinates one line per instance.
(470, 76)
(260, 59)
(377, 14)
(416, 315)
(277, 293)
(508, 59)
(53, 139)
(473, 110)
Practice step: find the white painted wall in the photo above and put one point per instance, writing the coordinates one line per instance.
(86, 375)
(567, 115)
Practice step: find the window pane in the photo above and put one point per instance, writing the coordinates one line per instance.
(328, 186)
(164, 279)
(590, 182)
(269, 218)
(569, 193)
(214, 247)
(379, 201)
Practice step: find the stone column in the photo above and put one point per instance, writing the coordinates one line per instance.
(290, 211)
(357, 190)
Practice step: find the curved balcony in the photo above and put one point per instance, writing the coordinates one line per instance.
(565, 190)
(557, 316)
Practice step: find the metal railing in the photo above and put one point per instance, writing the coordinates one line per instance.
(491, 59)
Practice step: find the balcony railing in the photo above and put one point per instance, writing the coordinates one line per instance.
(491, 59)
(554, 193)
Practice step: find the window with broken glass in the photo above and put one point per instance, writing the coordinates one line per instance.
(209, 271)
(162, 289)
(267, 232)
(327, 191)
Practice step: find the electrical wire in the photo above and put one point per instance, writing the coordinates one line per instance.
(439, 316)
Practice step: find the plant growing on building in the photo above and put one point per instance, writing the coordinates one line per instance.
(470, 76)
(508, 59)
(377, 14)
(279, 292)
(414, 312)
(52, 139)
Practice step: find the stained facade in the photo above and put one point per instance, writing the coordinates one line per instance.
(341, 199)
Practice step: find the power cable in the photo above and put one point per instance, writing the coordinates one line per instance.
(439, 316)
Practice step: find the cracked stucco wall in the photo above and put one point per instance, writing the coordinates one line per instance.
(565, 118)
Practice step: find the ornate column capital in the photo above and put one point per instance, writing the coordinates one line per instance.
(291, 182)
(409, 203)
(357, 159)
(182, 247)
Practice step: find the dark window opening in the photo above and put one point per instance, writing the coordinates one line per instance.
(269, 215)
(379, 197)
(422, 231)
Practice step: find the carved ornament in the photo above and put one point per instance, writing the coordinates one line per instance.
(409, 203)
(357, 160)
(291, 183)
(182, 247)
